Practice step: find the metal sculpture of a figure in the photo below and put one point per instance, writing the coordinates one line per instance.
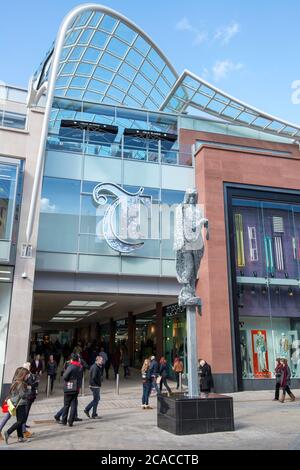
(189, 246)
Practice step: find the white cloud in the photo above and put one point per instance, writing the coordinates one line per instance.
(46, 206)
(222, 69)
(226, 33)
(185, 25)
(200, 38)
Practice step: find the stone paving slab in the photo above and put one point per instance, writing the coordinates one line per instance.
(260, 423)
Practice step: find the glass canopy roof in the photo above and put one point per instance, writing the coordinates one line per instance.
(107, 59)
(191, 90)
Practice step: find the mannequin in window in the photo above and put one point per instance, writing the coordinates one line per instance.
(283, 346)
(261, 351)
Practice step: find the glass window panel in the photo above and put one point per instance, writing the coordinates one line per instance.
(8, 175)
(76, 53)
(143, 83)
(108, 23)
(142, 45)
(156, 60)
(91, 96)
(65, 52)
(162, 85)
(72, 37)
(63, 81)
(201, 99)
(91, 55)
(83, 18)
(169, 75)
(69, 68)
(109, 61)
(215, 106)
(231, 112)
(74, 93)
(134, 58)
(5, 296)
(156, 96)
(115, 93)
(95, 19)
(79, 82)
(95, 85)
(130, 102)
(191, 83)
(149, 71)
(150, 105)
(85, 69)
(127, 71)
(103, 74)
(125, 33)
(99, 39)
(121, 82)
(262, 122)
(117, 47)
(86, 36)
(246, 117)
(137, 94)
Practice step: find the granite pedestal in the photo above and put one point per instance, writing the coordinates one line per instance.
(179, 414)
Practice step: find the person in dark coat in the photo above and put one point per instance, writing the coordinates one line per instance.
(116, 361)
(154, 368)
(277, 378)
(206, 378)
(36, 366)
(51, 371)
(72, 384)
(163, 371)
(96, 375)
(285, 381)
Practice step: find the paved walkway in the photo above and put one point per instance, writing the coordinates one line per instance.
(260, 424)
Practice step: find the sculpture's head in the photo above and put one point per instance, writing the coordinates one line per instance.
(191, 196)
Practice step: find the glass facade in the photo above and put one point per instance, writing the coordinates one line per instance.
(266, 230)
(90, 144)
(8, 194)
(174, 334)
(6, 277)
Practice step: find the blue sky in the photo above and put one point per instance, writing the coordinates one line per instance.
(248, 49)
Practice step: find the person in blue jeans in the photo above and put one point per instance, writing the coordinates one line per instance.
(96, 374)
(147, 384)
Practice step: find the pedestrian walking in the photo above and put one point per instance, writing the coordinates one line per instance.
(51, 372)
(154, 367)
(116, 360)
(206, 378)
(32, 383)
(163, 371)
(18, 395)
(178, 370)
(285, 381)
(277, 379)
(96, 375)
(147, 384)
(72, 383)
(125, 362)
(7, 414)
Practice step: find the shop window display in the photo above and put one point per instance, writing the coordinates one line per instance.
(266, 253)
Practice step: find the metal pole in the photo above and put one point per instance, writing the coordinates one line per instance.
(118, 384)
(48, 386)
(82, 386)
(180, 381)
(192, 351)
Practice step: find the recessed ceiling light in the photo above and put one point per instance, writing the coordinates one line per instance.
(87, 303)
(64, 319)
(74, 312)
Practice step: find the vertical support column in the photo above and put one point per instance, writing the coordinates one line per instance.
(131, 337)
(159, 331)
(192, 350)
(112, 335)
